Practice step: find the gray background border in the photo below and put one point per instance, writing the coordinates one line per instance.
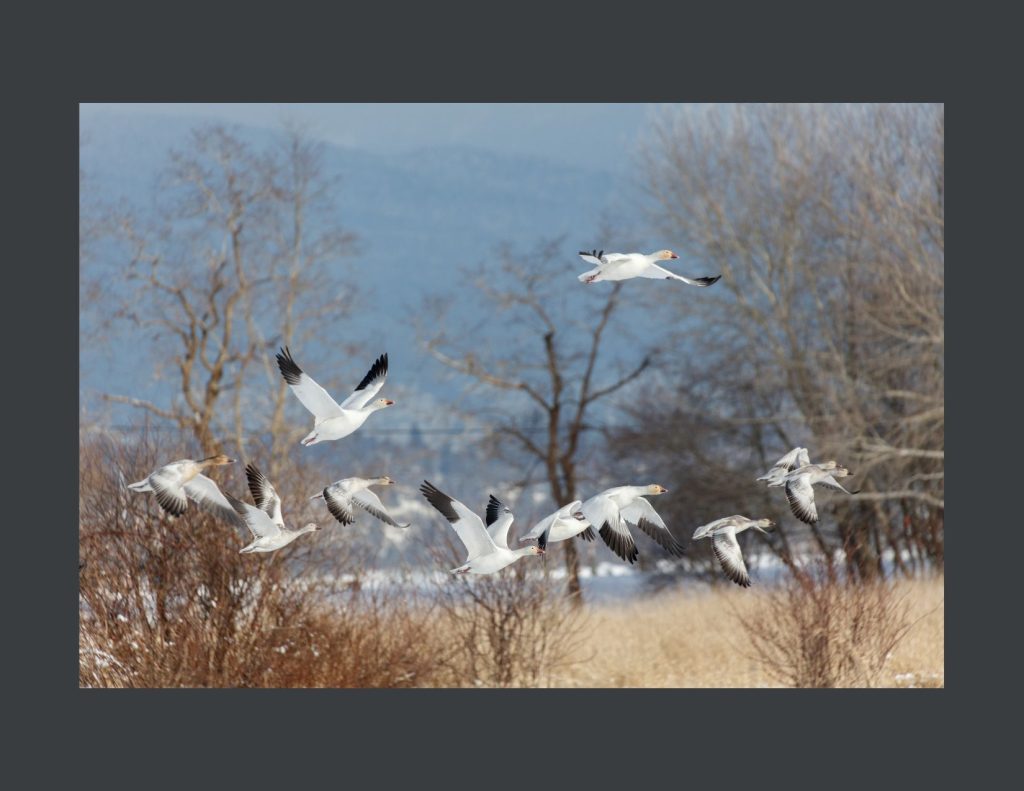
(346, 738)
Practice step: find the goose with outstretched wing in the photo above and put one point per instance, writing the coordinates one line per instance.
(264, 520)
(626, 266)
(344, 496)
(486, 549)
(722, 533)
(332, 420)
(800, 485)
(176, 483)
(614, 510)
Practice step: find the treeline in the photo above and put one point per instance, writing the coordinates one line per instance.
(826, 330)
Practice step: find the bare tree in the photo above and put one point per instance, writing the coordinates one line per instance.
(239, 237)
(306, 242)
(563, 373)
(828, 324)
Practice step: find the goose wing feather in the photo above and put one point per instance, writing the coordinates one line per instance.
(468, 526)
(310, 394)
(371, 503)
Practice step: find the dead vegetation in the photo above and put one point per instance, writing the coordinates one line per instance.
(688, 638)
(511, 629)
(169, 602)
(815, 630)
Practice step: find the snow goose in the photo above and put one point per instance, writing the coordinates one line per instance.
(614, 509)
(333, 420)
(487, 548)
(722, 533)
(176, 483)
(563, 524)
(265, 521)
(800, 485)
(342, 497)
(795, 458)
(625, 266)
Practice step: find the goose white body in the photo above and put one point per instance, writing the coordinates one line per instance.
(626, 266)
(776, 476)
(487, 548)
(561, 525)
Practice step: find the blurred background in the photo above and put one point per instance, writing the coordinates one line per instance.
(446, 236)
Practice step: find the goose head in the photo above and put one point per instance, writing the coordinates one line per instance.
(764, 525)
(220, 458)
(656, 488)
(701, 531)
(579, 516)
(382, 403)
(311, 528)
(665, 255)
(386, 480)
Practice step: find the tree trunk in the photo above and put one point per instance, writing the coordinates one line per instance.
(572, 569)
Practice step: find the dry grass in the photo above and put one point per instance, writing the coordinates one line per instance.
(919, 661)
(683, 639)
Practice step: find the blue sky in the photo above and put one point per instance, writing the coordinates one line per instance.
(599, 136)
(423, 205)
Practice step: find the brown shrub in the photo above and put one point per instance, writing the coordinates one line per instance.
(170, 602)
(816, 630)
(512, 628)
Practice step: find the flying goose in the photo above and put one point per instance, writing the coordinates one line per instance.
(265, 521)
(800, 487)
(795, 458)
(331, 420)
(614, 509)
(341, 497)
(566, 522)
(620, 266)
(180, 481)
(486, 547)
(722, 533)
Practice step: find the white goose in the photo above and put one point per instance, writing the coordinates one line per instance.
(563, 524)
(613, 509)
(265, 521)
(776, 476)
(342, 497)
(625, 266)
(333, 420)
(800, 485)
(487, 548)
(180, 481)
(722, 533)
